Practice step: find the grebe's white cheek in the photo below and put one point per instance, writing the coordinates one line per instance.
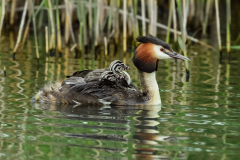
(159, 54)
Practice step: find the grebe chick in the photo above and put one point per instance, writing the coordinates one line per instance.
(108, 76)
(146, 57)
(92, 75)
(117, 67)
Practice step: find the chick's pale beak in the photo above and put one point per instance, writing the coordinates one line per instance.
(178, 56)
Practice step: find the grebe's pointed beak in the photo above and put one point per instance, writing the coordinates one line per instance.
(178, 56)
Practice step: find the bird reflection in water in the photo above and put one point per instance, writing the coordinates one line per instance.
(124, 130)
(150, 141)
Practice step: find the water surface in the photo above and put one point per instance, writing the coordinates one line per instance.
(198, 119)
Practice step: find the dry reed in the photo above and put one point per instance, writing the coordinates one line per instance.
(228, 25)
(218, 25)
(2, 15)
(125, 26)
(97, 16)
(21, 27)
(46, 37)
(50, 12)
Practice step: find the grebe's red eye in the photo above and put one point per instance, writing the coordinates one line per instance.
(161, 49)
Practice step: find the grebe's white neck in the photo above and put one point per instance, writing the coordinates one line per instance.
(150, 88)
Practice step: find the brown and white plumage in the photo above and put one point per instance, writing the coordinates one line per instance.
(85, 87)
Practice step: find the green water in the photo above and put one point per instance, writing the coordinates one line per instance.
(198, 119)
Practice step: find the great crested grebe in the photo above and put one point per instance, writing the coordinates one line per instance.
(103, 86)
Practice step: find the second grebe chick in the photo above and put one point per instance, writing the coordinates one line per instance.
(117, 67)
(108, 76)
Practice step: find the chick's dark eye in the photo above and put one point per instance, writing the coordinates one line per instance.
(161, 49)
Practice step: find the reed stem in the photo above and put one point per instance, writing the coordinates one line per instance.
(84, 22)
(228, 25)
(116, 23)
(70, 21)
(50, 11)
(174, 21)
(35, 30)
(183, 22)
(169, 22)
(2, 15)
(80, 36)
(143, 18)
(218, 25)
(13, 9)
(59, 44)
(97, 17)
(124, 25)
(106, 45)
(90, 14)
(208, 6)
(46, 36)
(21, 27)
(5, 72)
(110, 17)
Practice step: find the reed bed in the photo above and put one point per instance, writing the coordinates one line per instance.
(101, 22)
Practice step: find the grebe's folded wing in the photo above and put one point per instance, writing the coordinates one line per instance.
(69, 82)
(80, 73)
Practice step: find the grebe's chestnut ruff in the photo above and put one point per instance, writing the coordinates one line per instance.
(103, 86)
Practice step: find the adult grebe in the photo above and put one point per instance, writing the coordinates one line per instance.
(89, 87)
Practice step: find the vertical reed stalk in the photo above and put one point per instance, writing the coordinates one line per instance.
(218, 26)
(59, 44)
(97, 16)
(69, 9)
(5, 72)
(110, 16)
(50, 11)
(21, 27)
(106, 46)
(46, 36)
(116, 23)
(174, 21)
(150, 13)
(34, 27)
(101, 22)
(90, 15)
(124, 25)
(129, 20)
(135, 22)
(40, 21)
(67, 29)
(80, 27)
(69, 20)
(143, 18)
(228, 25)
(29, 20)
(185, 15)
(169, 22)
(26, 31)
(183, 22)
(80, 36)
(13, 7)
(208, 6)
(84, 22)
(155, 17)
(2, 16)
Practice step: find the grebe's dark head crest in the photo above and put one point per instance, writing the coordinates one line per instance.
(150, 51)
